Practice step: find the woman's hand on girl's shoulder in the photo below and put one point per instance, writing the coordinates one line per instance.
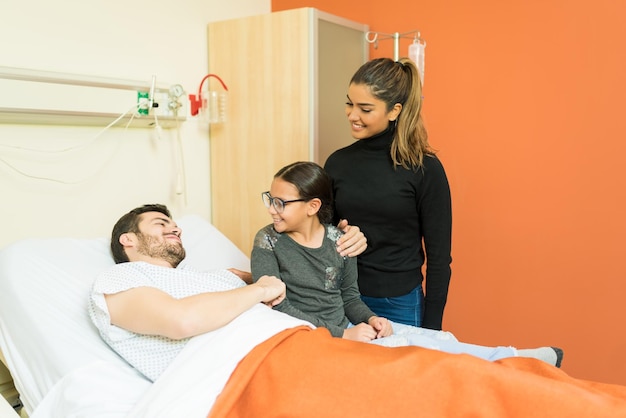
(353, 241)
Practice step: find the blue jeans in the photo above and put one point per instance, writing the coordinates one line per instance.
(407, 309)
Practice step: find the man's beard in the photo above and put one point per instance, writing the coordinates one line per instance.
(172, 252)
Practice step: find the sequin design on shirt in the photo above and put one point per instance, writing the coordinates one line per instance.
(267, 241)
(333, 234)
(332, 280)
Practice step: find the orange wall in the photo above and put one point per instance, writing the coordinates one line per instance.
(524, 101)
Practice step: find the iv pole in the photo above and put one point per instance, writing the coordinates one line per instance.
(373, 37)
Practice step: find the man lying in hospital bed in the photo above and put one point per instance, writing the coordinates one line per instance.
(296, 372)
(58, 361)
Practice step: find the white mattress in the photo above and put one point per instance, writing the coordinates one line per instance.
(45, 332)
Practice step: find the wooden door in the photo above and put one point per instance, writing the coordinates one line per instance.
(265, 62)
(287, 75)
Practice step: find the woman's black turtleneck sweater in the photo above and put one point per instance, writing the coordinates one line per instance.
(406, 216)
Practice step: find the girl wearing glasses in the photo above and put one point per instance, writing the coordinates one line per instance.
(299, 248)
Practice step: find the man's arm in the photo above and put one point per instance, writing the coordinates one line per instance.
(353, 241)
(146, 310)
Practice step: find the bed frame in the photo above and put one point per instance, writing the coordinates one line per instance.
(8, 394)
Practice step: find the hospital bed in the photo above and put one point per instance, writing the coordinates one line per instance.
(59, 364)
(62, 368)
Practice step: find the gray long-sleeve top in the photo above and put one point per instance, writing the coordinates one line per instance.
(321, 284)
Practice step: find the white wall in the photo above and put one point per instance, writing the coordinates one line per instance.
(87, 187)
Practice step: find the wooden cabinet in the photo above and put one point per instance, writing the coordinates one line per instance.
(287, 75)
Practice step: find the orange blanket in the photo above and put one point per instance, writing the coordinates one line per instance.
(304, 373)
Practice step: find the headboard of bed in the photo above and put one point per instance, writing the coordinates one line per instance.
(45, 331)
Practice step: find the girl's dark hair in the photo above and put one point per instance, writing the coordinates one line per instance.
(399, 82)
(312, 182)
(130, 223)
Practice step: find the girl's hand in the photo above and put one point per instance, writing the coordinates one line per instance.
(381, 325)
(360, 332)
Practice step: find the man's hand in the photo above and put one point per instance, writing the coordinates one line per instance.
(274, 289)
(246, 276)
(353, 242)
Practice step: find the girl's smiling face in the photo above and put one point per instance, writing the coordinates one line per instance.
(294, 213)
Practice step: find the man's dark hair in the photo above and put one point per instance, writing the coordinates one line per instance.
(130, 223)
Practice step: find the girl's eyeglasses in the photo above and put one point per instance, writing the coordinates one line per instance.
(278, 203)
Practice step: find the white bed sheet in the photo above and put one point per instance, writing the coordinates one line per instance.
(45, 333)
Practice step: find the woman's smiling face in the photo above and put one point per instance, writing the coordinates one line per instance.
(367, 115)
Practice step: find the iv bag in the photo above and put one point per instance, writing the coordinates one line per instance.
(416, 54)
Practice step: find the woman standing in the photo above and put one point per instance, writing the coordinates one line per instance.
(391, 184)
